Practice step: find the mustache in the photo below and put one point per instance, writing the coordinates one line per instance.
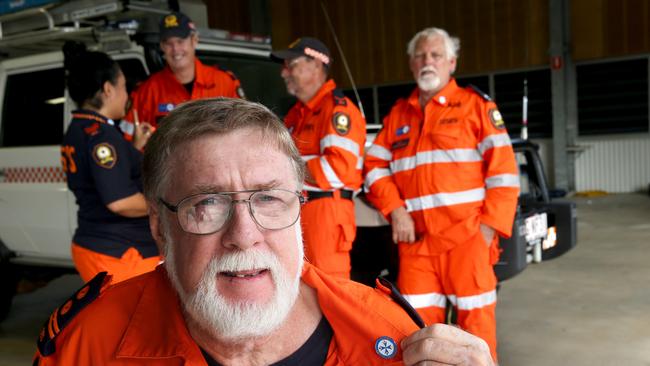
(427, 69)
(246, 260)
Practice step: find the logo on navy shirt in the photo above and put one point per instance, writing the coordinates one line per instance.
(104, 155)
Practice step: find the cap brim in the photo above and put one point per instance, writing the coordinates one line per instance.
(279, 56)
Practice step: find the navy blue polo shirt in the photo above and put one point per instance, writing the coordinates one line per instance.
(102, 167)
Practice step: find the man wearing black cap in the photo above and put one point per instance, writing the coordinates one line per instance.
(184, 77)
(330, 133)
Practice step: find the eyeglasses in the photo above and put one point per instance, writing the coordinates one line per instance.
(207, 213)
(290, 64)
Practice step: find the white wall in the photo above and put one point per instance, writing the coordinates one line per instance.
(614, 163)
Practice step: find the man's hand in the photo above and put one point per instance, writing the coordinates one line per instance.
(403, 226)
(488, 233)
(442, 344)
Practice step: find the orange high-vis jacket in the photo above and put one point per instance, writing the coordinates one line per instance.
(161, 93)
(452, 166)
(330, 134)
(140, 322)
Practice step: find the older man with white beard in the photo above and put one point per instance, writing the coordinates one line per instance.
(443, 172)
(222, 178)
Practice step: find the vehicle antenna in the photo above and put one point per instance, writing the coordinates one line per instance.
(345, 63)
(524, 113)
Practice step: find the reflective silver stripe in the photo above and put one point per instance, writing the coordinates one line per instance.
(445, 199)
(379, 152)
(331, 176)
(374, 175)
(426, 300)
(502, 180)
(306, 158)
(402, 164)
(474, 302)
(341, 142)
(436, 156)
(501, 139)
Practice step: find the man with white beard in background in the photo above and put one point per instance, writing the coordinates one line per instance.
(223, 178)
(443, 171)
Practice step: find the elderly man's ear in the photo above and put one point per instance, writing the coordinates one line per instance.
(155, 225)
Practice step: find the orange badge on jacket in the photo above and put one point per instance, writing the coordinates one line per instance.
(496, 119)
(342, 123)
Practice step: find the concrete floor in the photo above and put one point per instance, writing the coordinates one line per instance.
(589, 307)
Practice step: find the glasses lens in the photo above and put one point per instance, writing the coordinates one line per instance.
(204, 213)
(275, 208)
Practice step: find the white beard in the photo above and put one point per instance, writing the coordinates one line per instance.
(428, 79)
(224, 319)
(428, 82)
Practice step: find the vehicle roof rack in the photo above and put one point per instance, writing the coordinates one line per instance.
(101, 24)
(47, 27)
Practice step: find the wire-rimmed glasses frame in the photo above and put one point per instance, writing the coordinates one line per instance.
(207, 213)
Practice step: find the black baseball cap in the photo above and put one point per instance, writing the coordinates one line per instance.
(176, 25)
(305, 46)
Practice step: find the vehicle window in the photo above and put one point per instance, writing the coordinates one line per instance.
(32, 112)
(524, 181)
(531, 189)
(259, 77)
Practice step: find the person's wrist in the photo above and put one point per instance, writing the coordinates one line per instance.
(396, 212)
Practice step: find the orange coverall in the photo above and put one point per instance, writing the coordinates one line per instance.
(452, 166)
(330, 134)
(161, 93)
(140, 322)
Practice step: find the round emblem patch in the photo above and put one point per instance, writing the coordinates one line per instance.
(342, 123)
(496, 119)
(104, 155)
(386, 347)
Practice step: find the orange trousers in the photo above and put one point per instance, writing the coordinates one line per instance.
(329, 229)
(464, 276)
(89, 263)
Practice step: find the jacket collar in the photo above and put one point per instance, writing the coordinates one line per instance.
(200, 77)
(147, 337)
(200, 74)
(357, 318)
(441, 98)
(324, 90)
(91, 115)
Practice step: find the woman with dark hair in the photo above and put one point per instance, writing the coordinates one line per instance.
(103, 171)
